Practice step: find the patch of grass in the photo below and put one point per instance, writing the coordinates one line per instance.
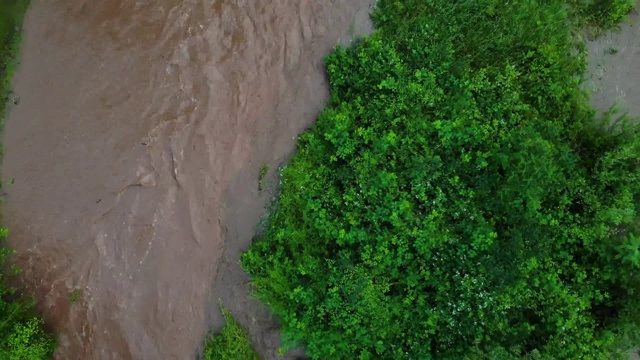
(264, 169)
(11, 16)
(232, 343)
(598, 16)
(75, 295)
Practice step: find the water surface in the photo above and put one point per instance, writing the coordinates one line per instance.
(135, 151)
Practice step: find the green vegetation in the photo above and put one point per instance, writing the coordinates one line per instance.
(21, 331)
(459, 198)
(11, 15)
(264, 169)
(232, 343)
(75, 295)
(601, 14)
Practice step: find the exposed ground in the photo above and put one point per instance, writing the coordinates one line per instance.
(136, 149)
(614, 65)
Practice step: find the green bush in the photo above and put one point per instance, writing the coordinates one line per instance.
(22, 336)
(458, 198)
(232, 343)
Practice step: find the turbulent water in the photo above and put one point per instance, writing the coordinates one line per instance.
(136, 148)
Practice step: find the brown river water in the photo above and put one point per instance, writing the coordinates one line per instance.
(136, 148)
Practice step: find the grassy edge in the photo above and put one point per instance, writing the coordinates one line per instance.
(11, 34)
(231, 343)
(21, 328)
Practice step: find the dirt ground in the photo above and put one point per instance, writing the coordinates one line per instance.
(136, 148)
(614, 68)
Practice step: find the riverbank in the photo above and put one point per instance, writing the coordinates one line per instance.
(11, 18)
(22, 332)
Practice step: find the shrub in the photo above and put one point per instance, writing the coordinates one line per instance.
(232, 343)
(22, 336)
(458, 197)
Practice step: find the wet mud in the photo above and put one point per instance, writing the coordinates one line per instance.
(136, 149)
(614, 68)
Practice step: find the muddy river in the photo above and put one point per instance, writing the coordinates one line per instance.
(136, 149)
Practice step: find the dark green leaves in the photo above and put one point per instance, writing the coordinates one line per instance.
(457, 198)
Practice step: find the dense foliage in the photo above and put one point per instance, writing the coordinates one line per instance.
(232, 343)
(459, 198)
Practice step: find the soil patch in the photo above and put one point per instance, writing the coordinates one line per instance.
(614, 67)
